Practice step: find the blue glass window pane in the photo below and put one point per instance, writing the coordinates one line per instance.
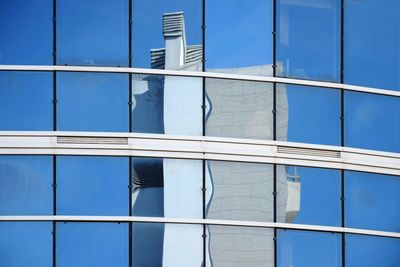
(308, 40)
(26, 32)
(372, 121)
(26, 101)
(239, 246)
(92, 244)
(308, 115)
(372, 201)
(177, 245)
(26, 244)
(92, 102)
(167, 187)
(239, 37)
(371, 47)
(167, 34)
(26, 185)
(308, 249)
(167, 104)
(309, 195)
(92, 185)
(93, 32)
(372, 251)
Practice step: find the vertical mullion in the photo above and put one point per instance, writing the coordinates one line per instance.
(130, 130)
(54, 129)
(203, 28)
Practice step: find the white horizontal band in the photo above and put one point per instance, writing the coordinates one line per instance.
(198, 147)
(308, 227)
(202, 75)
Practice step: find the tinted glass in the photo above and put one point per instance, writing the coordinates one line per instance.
(239, 246)
(156, 244)
(308, 249)
(26, 244)
(372, 201)
(167, 104)
(371, 47)
(92, 32)
(92, 244)
(167, 34)
(372, 121)
(239, 109)
(371, 251)
(167, 187)
(239, 36)
(26, 185)
(308, 114)
(92, 102)
(239, 191)
(26, 32)
(309, 195)
(308, 41)
(26, 101)
(92, 185)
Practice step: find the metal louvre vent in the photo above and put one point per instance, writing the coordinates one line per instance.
(92, 140)
(309, 152)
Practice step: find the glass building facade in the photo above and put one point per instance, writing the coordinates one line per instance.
(147, 133)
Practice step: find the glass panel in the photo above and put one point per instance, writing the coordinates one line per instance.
(26, 244)
(26, 185)
(372, 121)
(308, 41)
(239, 191)
(92, 185)
(92, 244)
(239, 109)
(308, 249)
(167, 104)
(167, 34)
(239, 37)
(371, 47)
(167, 187)
(26, 32)
(239, 246)
(26, 101)
(175, 245)
(372, 251)
(308, 115)
(372, 201)
(92, 32)
(92, 102)
(308, 195)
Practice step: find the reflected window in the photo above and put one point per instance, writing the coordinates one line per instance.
(26, 33)
(239, 37)
(239, 109)
(157, 244)
(308, 115)
(26, 244)
(26, 101)
(167, 104)
(239, 191)
(92, 102)
(239, 246)
(92, 244)
(309, 195)
(372, 121)
(167, 187)
(26, 185)
(372, 201)
(368, 60)
(372, 251)
(89, 185)
(93, 32)
(308, 40)
(167, 34)
(308, 249)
